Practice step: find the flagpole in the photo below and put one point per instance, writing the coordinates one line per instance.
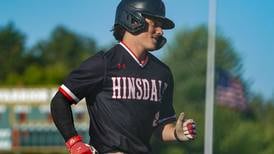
(209, 107)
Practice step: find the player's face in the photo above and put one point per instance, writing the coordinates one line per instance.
(148, 39)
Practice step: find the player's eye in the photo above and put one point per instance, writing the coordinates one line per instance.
(155, 23)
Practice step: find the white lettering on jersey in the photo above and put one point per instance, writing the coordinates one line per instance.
(138, 88)
(131, 88)
(124, 87)
(146, 89)
(116, 87)
(154, 96)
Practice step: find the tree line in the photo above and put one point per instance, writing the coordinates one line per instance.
(47, 62)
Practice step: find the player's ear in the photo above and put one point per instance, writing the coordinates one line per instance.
(160, 42)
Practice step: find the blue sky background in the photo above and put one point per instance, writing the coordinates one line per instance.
(249, 24)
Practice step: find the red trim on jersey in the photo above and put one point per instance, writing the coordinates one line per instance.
(142, 62)
(66, 95)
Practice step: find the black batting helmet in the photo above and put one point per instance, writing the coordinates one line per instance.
(130, 14)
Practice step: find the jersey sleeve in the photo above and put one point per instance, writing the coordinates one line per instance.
(85, 79)
(167, 113)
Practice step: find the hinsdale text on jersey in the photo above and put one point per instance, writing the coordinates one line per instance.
(137, 88)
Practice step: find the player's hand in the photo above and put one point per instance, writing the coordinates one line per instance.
(75, 145)
(185, 129)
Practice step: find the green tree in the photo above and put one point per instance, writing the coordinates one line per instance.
(62, 52)
(64, 46)
(12, 47)
(47, 62)
(187, 59)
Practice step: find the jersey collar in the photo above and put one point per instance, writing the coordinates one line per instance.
(142, 63)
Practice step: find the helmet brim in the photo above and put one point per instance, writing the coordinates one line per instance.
(166, 23)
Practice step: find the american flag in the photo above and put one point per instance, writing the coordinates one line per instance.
(230, 92)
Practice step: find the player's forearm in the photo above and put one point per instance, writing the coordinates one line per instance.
(62, 116)
(168, 132)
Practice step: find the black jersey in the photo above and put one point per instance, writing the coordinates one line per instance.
(126, 99)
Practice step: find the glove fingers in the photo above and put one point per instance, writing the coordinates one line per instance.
(189, 128)
(192, 132)
(190, 136)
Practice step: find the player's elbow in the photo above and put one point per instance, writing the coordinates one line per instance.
(59, 103)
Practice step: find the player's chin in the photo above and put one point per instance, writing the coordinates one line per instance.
(152, 46)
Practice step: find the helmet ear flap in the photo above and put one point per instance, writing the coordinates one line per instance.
(135, 22)
(160, 42)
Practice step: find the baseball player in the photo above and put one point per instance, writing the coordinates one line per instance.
(128, 91)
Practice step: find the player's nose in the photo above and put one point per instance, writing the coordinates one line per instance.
(159, 31)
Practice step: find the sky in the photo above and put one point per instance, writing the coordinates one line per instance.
(248, 24)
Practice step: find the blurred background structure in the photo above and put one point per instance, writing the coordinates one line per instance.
(41, 42)
(26, 122)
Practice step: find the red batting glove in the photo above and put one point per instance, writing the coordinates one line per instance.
(75, 145)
